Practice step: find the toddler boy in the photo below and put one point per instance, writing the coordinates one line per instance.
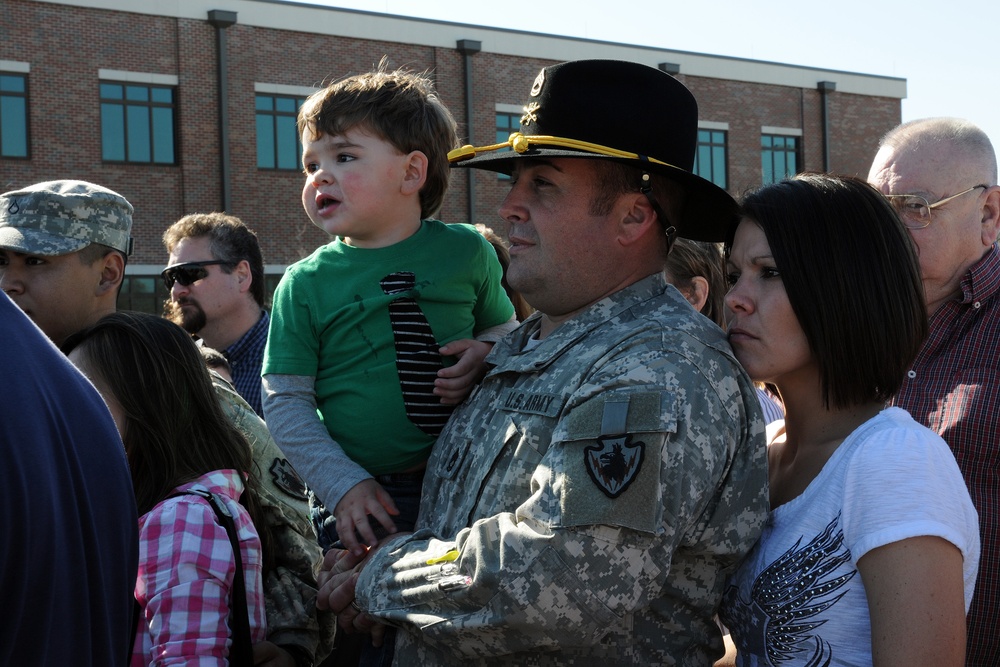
(354, 388)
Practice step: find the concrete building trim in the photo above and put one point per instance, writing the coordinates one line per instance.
(15, 67)
(283, 89)
(712, 125)
(786, 131)
(138, 77)
(300, 17)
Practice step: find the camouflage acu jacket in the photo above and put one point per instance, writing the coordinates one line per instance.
(290, 588)
(586, 502)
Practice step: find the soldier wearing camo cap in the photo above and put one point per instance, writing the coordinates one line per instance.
(63, 250)
(585, 504)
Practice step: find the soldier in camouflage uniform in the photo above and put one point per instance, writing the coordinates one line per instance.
(290, 587)
(587, 501)
(63, 250)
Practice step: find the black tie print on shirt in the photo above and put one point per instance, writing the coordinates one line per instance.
(417, 357)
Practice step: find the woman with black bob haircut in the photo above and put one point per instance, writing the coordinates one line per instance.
(177, 440)
(870, 552)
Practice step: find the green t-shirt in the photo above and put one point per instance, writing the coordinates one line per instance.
(330, 320)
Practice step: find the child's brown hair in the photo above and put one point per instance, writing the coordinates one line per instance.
(400, 107)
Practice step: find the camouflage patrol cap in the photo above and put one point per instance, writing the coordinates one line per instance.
(60, 217)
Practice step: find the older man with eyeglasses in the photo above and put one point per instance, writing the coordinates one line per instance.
(940, 174)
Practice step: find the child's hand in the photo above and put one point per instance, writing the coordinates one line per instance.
(365, 498)
(454, 383)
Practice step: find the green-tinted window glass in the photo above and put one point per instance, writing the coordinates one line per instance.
(113, 132)
(137, 123)
(278, 143)
(111, 91)
(265, 141)
(779, 157)
(13, 116)
(710, 158)
(162, 95)
(507, 123)
(163, 136)
(145, 294)
(12, 83)
(137, 134)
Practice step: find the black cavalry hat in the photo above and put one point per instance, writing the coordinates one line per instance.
(615, 110)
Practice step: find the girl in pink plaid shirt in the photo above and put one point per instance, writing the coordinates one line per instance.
(176, 439)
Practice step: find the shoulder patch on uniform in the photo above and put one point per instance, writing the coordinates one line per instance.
(285, 478)
(614, 462)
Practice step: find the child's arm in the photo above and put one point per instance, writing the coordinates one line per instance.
(493, 334)
(454, 383)
(290, 411)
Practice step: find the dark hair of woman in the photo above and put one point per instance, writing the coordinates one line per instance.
(864, 319)
(174, 429)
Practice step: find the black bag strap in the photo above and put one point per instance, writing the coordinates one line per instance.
(241, 654)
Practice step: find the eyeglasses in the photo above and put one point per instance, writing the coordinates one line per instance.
(188, 272)
(915, 211)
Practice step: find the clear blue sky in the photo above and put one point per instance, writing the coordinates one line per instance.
(947, 51)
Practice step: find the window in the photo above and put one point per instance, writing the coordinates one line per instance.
(137, 123)
(145, 294)
(13, 115)
(271, 281)
(278, 143)
(507, 124)
(710, 158)
(779, 157)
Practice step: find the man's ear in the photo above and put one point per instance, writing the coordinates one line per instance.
(415, 174)
(112, 273)
(243, 275)
(637, 218)
(991, 216)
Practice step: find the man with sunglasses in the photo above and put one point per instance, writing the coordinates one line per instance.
(940, 174)
(215, 275)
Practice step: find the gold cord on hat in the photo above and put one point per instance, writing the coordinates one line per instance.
(521, 143)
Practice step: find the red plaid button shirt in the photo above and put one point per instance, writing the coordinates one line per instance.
(186, 570)
(953, 388)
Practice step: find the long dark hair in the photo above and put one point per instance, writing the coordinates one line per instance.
(174, 428)
(852, 277)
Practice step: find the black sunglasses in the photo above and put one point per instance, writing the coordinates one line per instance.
(188, 272)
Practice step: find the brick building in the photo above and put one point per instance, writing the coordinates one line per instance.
(126, 93)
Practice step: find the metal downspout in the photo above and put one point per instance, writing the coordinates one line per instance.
(222, 19)
(469, 48)
(825, 87)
